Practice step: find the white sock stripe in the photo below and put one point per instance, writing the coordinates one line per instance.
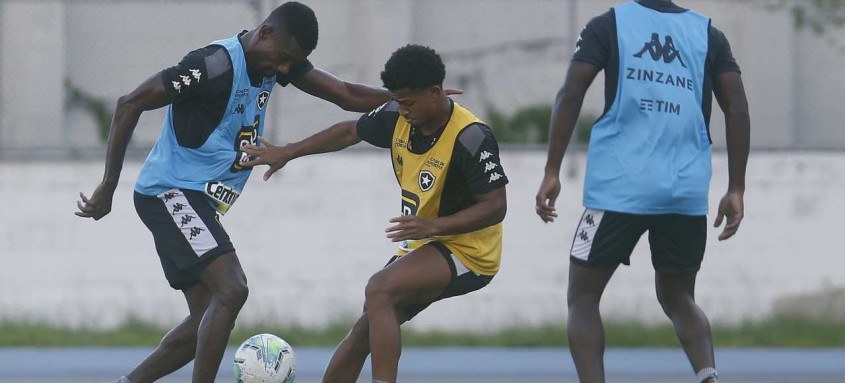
(705, 373)
(585, 233)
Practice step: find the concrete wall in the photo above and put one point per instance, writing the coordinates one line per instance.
(31, 62)
(501, 53)
(310, 238)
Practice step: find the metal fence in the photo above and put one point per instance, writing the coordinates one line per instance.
(63, 64)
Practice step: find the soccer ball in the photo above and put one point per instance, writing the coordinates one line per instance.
(265, 358)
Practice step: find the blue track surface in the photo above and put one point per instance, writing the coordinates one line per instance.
(23, 365)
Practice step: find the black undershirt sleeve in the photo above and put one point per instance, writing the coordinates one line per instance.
(594, 42)
(721, 55)
(189, 77)
(199, 87)
(477, 157)
(376, 127)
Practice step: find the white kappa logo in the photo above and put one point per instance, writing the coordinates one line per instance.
(490, 166)
(196, 73)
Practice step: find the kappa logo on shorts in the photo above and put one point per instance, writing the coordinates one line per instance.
(589, 220)
(195, 231)
(426, 180)
(186, 219)
(177, 207)
(168, 196)
(262, 99)
(583, 235)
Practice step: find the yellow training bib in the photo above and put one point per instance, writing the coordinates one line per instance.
(422, 178)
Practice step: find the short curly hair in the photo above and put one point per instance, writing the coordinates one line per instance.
(414, 67)
(299, 21)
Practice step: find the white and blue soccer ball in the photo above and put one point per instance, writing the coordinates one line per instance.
(265, 358)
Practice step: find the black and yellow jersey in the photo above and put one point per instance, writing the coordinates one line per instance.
(440, 174)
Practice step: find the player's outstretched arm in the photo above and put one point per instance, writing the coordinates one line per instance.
(337, 137)
(148, 96)
(730, 93)
(349, 96)
(565, 112)
(488, 211)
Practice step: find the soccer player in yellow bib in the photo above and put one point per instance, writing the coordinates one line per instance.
(453, 202)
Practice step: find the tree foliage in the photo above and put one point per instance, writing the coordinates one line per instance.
(96, 107)
(530, 125)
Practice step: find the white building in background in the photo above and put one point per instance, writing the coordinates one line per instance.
(505, 53)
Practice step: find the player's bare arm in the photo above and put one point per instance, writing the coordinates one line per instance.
(564, 116)
(488, 211)
(337, 137)
(730, 93)
(147, 96)
(349, 96)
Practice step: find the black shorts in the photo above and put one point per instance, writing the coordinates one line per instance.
(187, 233)
(463, 280)
(606, 239)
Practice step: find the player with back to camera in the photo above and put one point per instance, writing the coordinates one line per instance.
(453, 202)
(648, 165)
(216, 98)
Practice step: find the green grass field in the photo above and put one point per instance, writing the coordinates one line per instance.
(770, 333)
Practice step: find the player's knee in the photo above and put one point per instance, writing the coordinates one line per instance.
(377, 293)
(671, 301)
(233, 296)
(581, 299)
(665, 301)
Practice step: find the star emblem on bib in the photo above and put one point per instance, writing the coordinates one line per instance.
(426, 180)
(262, 99)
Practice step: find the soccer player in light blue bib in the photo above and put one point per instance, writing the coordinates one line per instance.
(216, 100)
(648, 165)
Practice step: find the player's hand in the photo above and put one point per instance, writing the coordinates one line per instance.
(267, 154)
(410, 227)
(451, 92)
(546, 197)
(98, 205)
(732, 207)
